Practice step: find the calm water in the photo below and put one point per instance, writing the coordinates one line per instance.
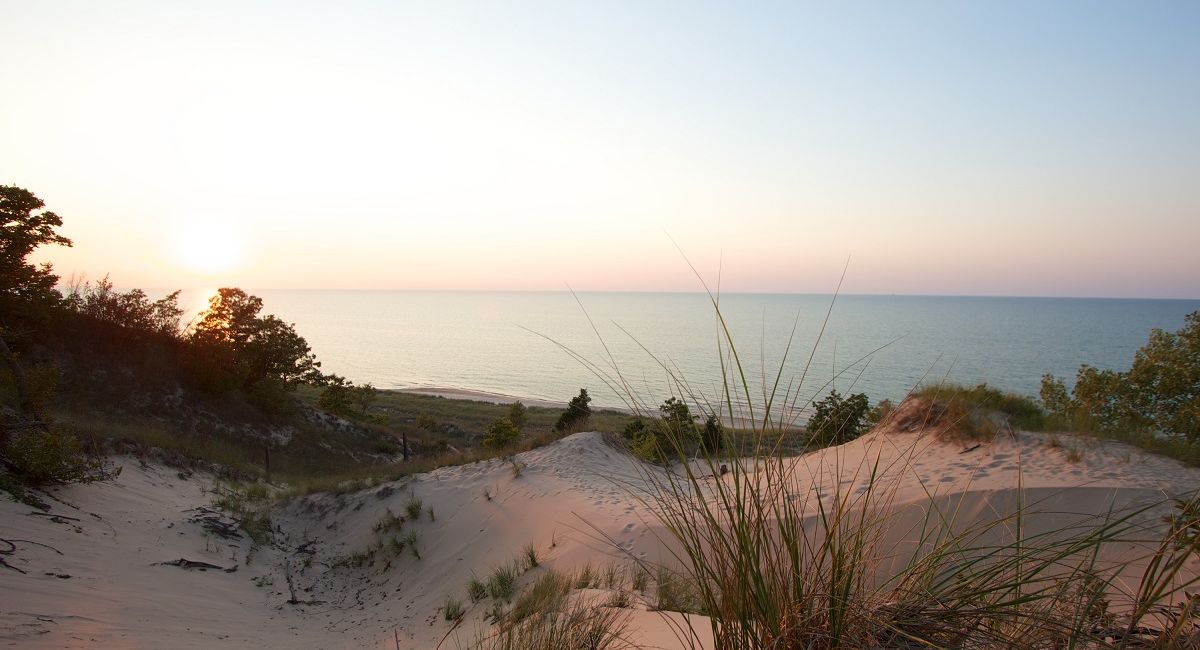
(487, 341)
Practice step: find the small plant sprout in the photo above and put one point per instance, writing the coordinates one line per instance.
(410, 542)
(530, 555)
(453, 609)
(640, 579)
(476, 590)
(389, 521)
(503, 582)
(585, 578)
(413, 508)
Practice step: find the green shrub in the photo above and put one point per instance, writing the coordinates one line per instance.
(880, 412)
(677, 419)
(547, 594)
(336, 396)
(501, 434)
(577, 414)
(476, 589)
(54, 456)
(712, 436)
(645, 445)
(633, 428)
(836, 420)
(413, 508)
(1159, 393)
(518, 415)
(503, 582)
(530, 555)
(427, 422)
(453, 609)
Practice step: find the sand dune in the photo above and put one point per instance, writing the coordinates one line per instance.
(93, 574)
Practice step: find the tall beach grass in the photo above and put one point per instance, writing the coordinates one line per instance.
(775, 559)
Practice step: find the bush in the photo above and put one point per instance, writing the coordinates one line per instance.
(712, 436)
(678, 419)
(453, 609)
(836, 420)
(336, 396)
(427, 422)
(363, 396)
(1159, 393)
(503, 582)
(518, 415)
(54, 456)
(500, 434)
(633, 428)
(131, 309)
(577, 414)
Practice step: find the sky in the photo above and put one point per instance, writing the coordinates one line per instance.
(983, 148)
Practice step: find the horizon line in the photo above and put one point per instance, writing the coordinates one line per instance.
(678, 292)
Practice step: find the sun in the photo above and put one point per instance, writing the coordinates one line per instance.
(209, 247)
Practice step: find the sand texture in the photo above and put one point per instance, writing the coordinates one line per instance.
(93, 572)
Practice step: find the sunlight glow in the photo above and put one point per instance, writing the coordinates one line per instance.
(208, 247)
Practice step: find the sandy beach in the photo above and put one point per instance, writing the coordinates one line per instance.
(102, 568)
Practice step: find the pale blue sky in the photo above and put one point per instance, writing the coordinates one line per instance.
(947, 148)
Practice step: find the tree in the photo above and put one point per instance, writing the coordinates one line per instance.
(501, 434)
(22, 284)
(677, 418)
(577, 414)
(836, 420)
(253, 348)
(518, 415)
(364, 395)
(132, 309)
(336, 396)
(1160, 391)
(712, 436)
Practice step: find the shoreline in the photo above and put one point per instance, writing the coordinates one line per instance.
(470, 395)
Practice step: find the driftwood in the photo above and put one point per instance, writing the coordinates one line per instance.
(184, 563)
(12, 548)
(216, 523)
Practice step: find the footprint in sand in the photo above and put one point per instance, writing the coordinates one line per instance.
(629, 527)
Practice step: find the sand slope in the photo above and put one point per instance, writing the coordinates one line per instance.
(575, 501)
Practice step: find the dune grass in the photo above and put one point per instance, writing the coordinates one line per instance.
(774, 562)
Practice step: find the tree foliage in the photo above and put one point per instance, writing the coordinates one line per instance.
(500, 434)
(577, 414)
(677, 418)
(52, 455)
(22, 230)
(518, 415)
(252, 348)
(132, 309)
(712, 434)
(1160, 392)
(838, 419)
(336, 397)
